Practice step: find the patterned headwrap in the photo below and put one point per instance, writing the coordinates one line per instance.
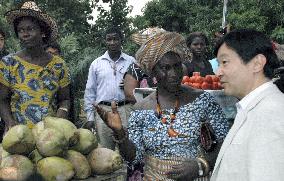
(154, 48)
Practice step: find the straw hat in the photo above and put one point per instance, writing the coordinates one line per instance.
(30, 8)
(142, 36)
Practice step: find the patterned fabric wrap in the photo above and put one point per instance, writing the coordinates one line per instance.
(141, 37)
(34, 88)
(155, 169)
(153, 50)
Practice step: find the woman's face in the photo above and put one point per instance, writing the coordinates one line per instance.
(168, 72)
(198, 46)
(29, 33)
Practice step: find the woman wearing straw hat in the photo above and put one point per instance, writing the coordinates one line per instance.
(31, 79)
(164, 128)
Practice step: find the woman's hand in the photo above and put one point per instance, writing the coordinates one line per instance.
(111, 118)
(188, 170)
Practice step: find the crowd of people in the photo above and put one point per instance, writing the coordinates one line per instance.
(175, 133)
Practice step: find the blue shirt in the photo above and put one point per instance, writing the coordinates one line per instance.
(104, 78)
(214, 64)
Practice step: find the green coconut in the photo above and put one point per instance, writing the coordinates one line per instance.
(51, 143)
(87, 141)
(104, 161)
(35, 156)
(18, 166)
(19, 140)
(63, 125)
(80, 164)
(37, 129)
(3, 153)
(55, 168)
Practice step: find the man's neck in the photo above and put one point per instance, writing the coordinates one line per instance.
(258, 82)
(114, 55)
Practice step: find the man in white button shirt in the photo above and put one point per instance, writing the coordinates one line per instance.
(253, 150)
(103, 85)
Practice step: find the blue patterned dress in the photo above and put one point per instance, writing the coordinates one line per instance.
(150, 136)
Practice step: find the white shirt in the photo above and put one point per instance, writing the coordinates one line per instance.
(104, 78)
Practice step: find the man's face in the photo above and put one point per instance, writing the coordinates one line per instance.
(2, 40)
(235, 76)
(113, 42)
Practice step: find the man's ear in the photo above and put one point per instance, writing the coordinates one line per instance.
(259, 62)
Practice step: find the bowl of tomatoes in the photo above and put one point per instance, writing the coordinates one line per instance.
(209, 82)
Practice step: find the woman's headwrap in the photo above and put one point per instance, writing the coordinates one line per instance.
(156, 46)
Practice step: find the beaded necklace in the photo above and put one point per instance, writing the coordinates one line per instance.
(164, 120)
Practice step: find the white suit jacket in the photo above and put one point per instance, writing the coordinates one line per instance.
(253, 150)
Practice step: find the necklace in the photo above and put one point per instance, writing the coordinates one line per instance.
(164, 120)
(113, 66)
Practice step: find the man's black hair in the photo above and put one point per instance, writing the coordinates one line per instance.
(114, 30)
(247, 44)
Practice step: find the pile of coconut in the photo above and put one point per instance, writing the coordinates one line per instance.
(54, 149)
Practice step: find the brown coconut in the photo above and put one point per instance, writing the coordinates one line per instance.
(18, 166)
(80, 164)
(104, 161)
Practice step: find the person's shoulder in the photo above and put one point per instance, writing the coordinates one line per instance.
(147, 103)
(58, 59)
(128, 57)
(98, 59)
(10, 59)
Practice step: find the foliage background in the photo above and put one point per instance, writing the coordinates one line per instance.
(82, 42)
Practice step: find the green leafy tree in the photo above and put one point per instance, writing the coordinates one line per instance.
(116, 16)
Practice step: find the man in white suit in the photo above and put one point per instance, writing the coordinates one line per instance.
(254, 147)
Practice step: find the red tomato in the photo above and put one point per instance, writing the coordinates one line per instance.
(205, 86)
(199, 79)
(185, 79)
(196, 85)
(196, 73)
(215, 78)
(192, 79)
(215, 86)
(186, 83)
(208, 79)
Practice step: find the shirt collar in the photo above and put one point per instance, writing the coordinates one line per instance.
(244, 102)
(122, 56)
